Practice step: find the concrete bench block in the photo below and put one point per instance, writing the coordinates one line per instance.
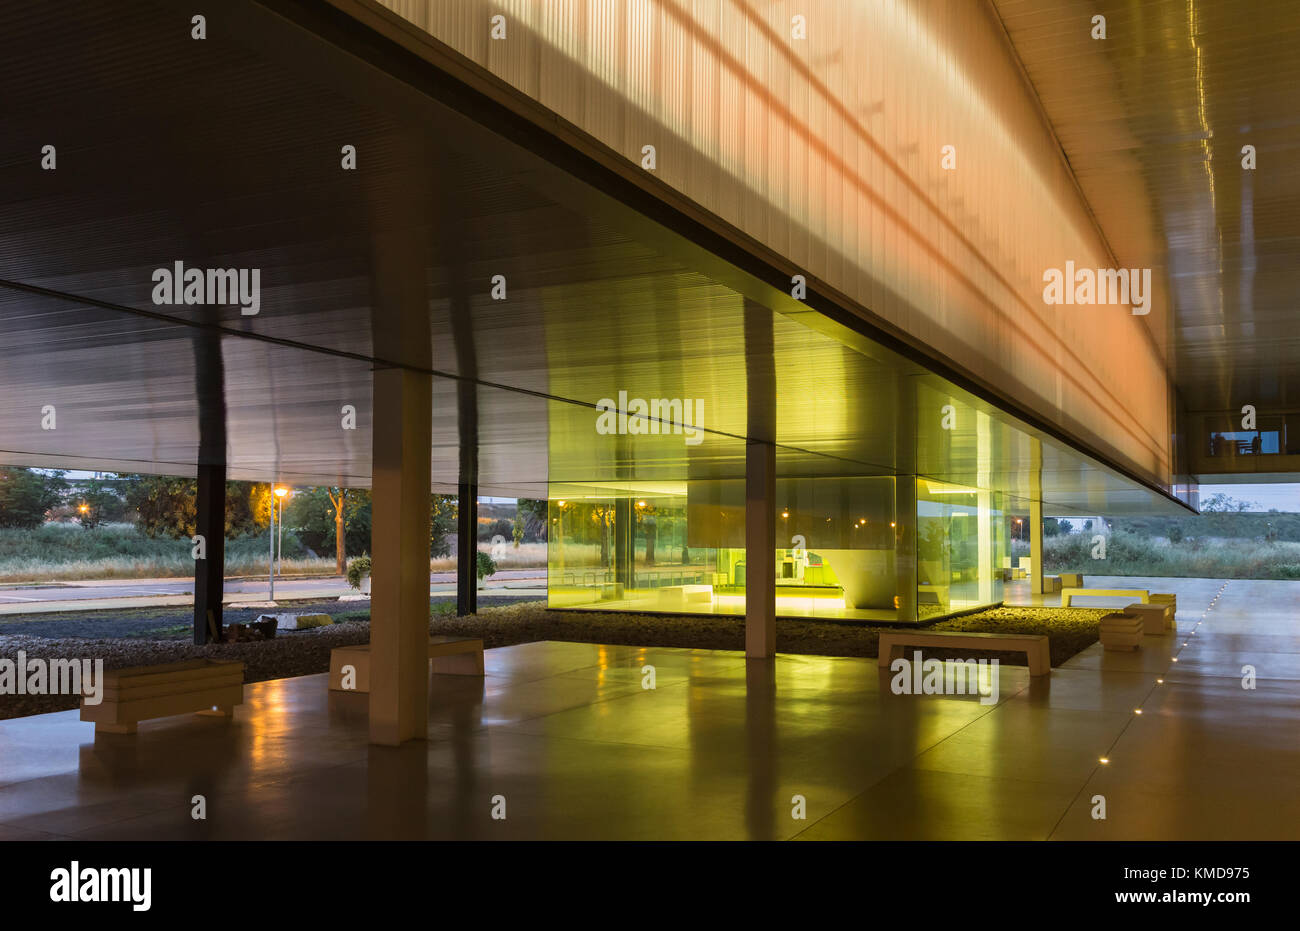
(676, 597)
(1121, 632)
(140, 693)
(1069, 593)
(1154, 617)
(1036, 647)
(298, 621)
(457, 656)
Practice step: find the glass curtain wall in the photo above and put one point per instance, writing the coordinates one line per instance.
(960, 547)
(680, 548)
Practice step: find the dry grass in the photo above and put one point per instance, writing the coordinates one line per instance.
(526, 556)
(145, 567)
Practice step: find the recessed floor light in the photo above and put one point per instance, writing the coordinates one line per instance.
(1105, 759)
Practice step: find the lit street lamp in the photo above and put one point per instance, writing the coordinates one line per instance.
(279, 544)
(280, 492)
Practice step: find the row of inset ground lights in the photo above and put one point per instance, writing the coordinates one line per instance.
(1174, 658)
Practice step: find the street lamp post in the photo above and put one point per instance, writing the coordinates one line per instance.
(274, 558)
(270, 570)
(279, 543)
(277, 533)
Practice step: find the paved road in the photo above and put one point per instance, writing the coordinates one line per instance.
(17, 599)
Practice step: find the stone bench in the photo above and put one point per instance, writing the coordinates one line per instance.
(1071, 580)
(1154, 617)
(1036, 647)
(678, 596)
(1069, 594)
(139, 693)
(1051, 583)
(456, 656)
(1120, 631)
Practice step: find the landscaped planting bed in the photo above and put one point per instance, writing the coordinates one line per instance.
(306, 652)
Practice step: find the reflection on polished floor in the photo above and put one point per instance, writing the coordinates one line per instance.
(787, 605)
(566, 733)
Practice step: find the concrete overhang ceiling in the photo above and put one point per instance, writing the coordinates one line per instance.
(1153, 120)
(225, 153)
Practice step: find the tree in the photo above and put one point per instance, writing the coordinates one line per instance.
(1223, 514)
(166, 506)
(314, 515)
(97, 502)
(1051, 527)
(1224, 504)
(338, 496)
(646, 517)
(27, 495)
(332, 517)
(535, 512)
(1065, 525)
(442, 524)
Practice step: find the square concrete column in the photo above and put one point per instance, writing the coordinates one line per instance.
(209, 572)
(984, 505)
(1036, 546)
(467, 549)
(1036, 517)
(905, 517)
(984, 540)
(760, 549)
(399, 539)
(906, 426)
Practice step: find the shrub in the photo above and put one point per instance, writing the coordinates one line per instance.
(356, 569)
(486, 566)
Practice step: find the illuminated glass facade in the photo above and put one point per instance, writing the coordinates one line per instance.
(660, 547)
(901, 514)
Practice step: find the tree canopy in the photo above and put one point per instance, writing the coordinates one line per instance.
(27, 495)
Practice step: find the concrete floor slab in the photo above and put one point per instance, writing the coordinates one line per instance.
(721, 748)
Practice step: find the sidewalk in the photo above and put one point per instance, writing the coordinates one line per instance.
(107, 594)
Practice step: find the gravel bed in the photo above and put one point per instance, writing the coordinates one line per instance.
(298, 653)
(301, 653)
(161, 623)
(1070, 630)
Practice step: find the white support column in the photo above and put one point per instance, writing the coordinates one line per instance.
(984, 505)
(905, 520)
(1036, 519)
(760, 550)
(399, 594)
